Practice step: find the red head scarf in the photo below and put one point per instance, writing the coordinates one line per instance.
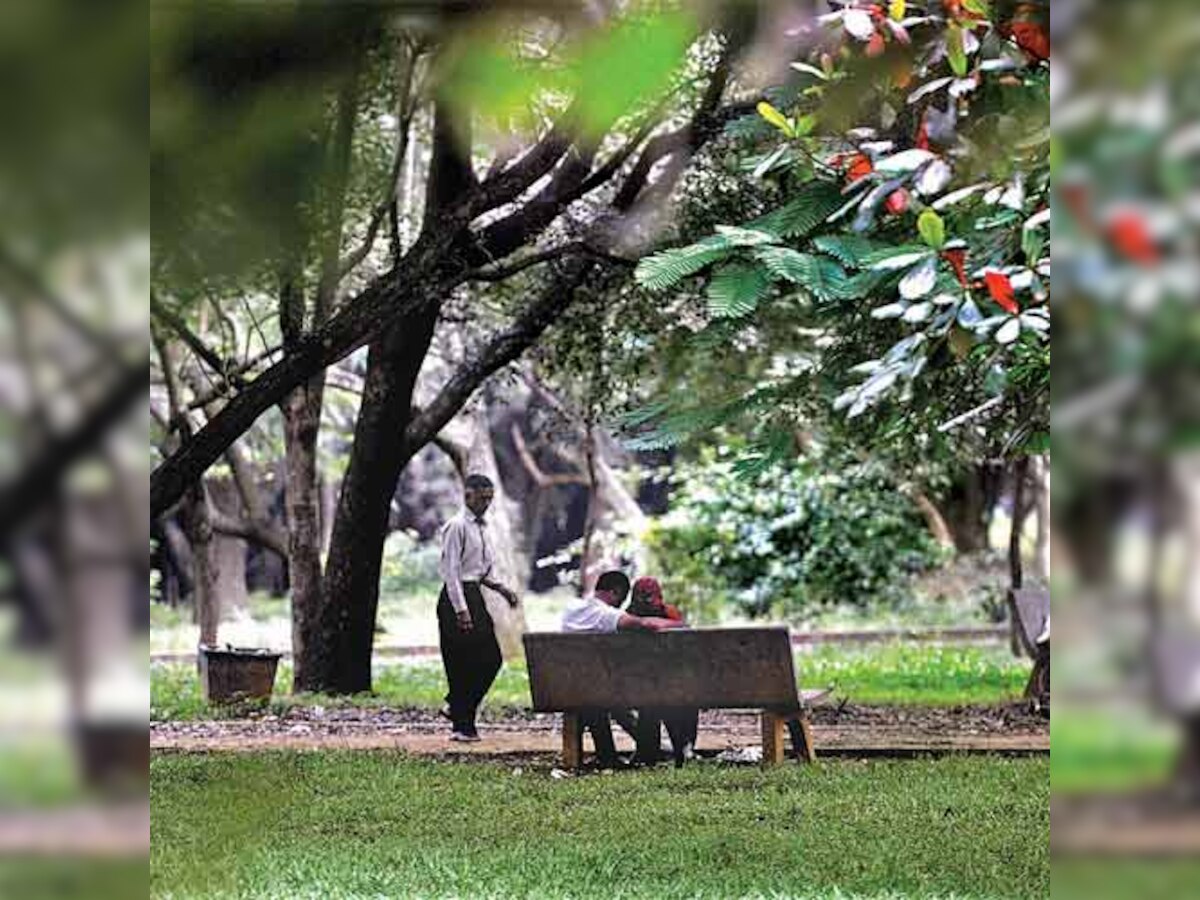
(648, 588)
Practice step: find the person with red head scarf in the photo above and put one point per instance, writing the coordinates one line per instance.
(646, 599)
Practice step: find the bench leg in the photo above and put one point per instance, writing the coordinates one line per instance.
(572, 733)
(802, 741)
(772, 739)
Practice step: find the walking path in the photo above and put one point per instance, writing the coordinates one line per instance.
(838, 731)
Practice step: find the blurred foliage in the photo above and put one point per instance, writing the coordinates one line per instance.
(789, 539)
(408, 566)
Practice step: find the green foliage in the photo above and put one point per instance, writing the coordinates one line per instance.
(344, 825)
(409, 567)
(882, 228)
(792, 539)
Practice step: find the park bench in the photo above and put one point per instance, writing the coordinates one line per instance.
(1030, 609)
(706, 668)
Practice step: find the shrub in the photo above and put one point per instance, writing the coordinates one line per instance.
(791, 539)
(408, 565)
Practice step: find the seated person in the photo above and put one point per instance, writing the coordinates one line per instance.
(600, 612)
(681, 724)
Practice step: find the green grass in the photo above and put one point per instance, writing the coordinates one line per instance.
(74, 879)
(38, 774)
(350, 825)
(893, 674)
(1107, 879)
(1096, 750)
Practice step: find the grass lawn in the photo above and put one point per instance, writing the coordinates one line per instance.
(1107, 750)
(896, 673)
(350, 825)
(74, 879)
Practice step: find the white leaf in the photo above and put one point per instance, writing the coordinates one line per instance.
(961, 194)
(891, 311)
(1021, 280)
(963, 86)
(765, 166)
(934, 178)
(878, 384)
(904, 161)
(876, 148)
(919, 281)
(970, 43)
(945, 299)
(1014, 196)
(810, 70)
(918, 312)
(858, 23)
(1038, 219)
(928, 88)
(1036, 322)
(900, 261)
(869, 367)
(969, 315)
(1009, 331)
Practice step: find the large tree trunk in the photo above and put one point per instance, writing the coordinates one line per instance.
(342, 661)
(339, 653)
(301, 425)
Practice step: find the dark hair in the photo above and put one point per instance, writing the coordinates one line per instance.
(478, 482)
(614, 582)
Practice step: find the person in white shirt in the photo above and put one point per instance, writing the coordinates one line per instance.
(467, 636)
(601, 613)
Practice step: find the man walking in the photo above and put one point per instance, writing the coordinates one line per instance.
(470, 653)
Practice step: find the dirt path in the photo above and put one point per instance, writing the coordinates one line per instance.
(92, 831)
(1138, 825)
(856, 731)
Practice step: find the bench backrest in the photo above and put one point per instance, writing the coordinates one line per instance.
(746, 668)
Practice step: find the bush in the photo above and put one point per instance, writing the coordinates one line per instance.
(790, 540)
(409, 566)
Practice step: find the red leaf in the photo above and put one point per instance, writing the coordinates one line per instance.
(1130, 236)
(1001, 289)
(922, 142)
(876, 45)
(1032, 38)
(957, 257)
(897, 202)
(860, 167)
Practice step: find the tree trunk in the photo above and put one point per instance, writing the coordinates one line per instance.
(198, 528)
(338, 657)
(1041, 500)
(967, 507)
(301, 425)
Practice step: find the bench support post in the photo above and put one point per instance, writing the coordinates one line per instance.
(572, 734)
(772, 738)
(800, 730)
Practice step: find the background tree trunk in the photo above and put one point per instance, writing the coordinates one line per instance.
(301, 426)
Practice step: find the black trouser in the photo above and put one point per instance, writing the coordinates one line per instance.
(682, 726)
(471, 658)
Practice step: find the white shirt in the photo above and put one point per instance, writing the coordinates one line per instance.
(590, 614)
(466, 555)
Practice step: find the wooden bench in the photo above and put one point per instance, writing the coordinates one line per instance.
(1030, 609)
(706, 668)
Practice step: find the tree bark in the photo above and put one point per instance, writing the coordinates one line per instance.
(198, 528)
(338, 657)
(301, 425)
(1041, 500)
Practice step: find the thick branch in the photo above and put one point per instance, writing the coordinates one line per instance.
(540, 478)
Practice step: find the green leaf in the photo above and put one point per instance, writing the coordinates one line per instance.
(979, 7)
(932, 229)
(669, 267)
(955, 53)
(848, 249)
(815, 202)
(821, 277)
(736, 289)
(775, 117)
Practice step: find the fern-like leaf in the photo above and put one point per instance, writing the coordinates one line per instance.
(814, 203)
(669, 267)
(736, 289)
(849, 249)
